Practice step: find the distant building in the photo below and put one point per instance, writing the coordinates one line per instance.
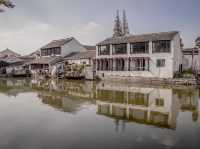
(85, 58)
(10, 62)
(54, 52)
(35, 54)
(62, 47)
(191, 59)
(155, 55)
(8, 53)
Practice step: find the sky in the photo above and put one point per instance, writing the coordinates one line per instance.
(34, 23)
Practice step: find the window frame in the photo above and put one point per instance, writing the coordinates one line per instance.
(120, 44)
(160, 64)
(138, 50)
(159, 48)
(105, 51)
(160, 102)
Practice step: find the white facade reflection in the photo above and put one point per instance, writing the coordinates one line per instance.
(153, 106)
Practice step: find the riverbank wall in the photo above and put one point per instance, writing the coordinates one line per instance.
(155, 81)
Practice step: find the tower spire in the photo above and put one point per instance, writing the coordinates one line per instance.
(125, 24)
(118, 26)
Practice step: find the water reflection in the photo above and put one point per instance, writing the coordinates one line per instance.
(151, 106)
(123, 103)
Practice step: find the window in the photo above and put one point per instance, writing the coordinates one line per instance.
(139, 47)
(51, 51)
(160, 63)
(141, 65)
(57, 51)
(119, 48)
(120, 64)
(104, 50)
(48, 51)
(43, 52)
(159, 102)
(161, 46)
(138, 99)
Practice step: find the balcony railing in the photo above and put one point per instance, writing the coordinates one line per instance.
(124, 69)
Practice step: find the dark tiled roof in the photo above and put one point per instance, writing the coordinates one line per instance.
(88, 47)
(140, 38)
(37, 52)
(82, 55)
(8, 52)
(57, 43)
(190, 51)
(11, 60)
(46, 60)
(71, 54)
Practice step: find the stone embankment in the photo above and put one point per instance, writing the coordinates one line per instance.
(156, 81)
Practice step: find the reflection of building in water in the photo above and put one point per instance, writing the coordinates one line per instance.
(147, 105)
(13, 87)
(66, 96)
(188, 100)
(81, 89)
(143, 105)
(61, 102)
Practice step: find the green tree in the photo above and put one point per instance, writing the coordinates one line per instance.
(6, 3)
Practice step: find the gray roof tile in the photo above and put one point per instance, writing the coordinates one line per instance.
(82, 55)
(57, 43)
(140, 38)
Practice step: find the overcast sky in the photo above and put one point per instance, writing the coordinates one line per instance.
(33, 23)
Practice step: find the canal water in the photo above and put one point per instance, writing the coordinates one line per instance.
(94, 115)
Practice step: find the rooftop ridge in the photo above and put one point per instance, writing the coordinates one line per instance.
(140, 37)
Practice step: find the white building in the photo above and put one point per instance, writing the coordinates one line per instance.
(82, 58)
(191, 59)
(155, 55)
(62, 47)
(53, 53)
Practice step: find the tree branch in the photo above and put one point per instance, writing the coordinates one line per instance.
(6, 3)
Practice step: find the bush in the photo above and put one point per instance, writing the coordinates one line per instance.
(188, 71)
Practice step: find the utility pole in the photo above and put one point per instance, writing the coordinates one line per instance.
(197, 45)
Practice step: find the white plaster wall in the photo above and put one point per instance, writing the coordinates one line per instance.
(162, 72)
(72, 46)
(154, 72)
